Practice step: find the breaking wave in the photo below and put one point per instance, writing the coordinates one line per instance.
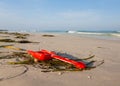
(96, 33)
(82, 32)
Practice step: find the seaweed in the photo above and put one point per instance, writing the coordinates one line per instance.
(3, 46)
(22, 62)
(99, 47)
(20, 36)
(16, 55)
(13, 41)
(48, 35)
(52, 65)
(3, 32)
(7, 40)
(24, 41)
(16, 34)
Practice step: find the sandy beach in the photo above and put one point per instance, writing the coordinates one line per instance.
(107, 74)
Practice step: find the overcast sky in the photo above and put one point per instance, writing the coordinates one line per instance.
(60, 14)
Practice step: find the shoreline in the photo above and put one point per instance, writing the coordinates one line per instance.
(80, 47)
(108, 35)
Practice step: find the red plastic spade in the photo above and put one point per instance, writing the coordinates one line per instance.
(47, 55)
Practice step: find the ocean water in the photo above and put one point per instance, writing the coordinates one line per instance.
(109, 35)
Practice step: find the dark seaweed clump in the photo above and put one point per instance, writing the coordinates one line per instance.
(48, 35)
(13, 41)
(7, 40)
(20, 35)
(16, 34)
(24, 41)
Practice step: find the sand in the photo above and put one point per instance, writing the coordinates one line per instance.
(107, 74)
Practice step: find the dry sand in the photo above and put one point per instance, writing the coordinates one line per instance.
(108, 74)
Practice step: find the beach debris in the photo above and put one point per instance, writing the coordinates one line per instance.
(60, 73)
(7, 40)
(13, 41)
(72, 64)
(3, 46)
(44, 55)
(3, 32)
(11, 47)
(52, 61)
(48, 35)
(99, 47)
(24, 41)
(20, 35)
(16, 34)
(89, 77)
(15, 55)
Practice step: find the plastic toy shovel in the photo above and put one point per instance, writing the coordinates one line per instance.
(47, 55)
